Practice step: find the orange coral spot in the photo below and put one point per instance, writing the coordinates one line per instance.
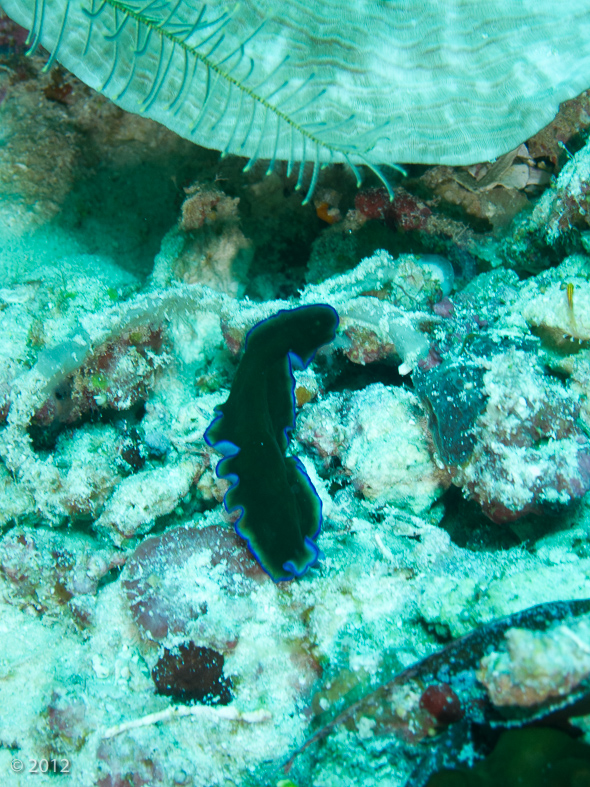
(303, 395)
(324, 213)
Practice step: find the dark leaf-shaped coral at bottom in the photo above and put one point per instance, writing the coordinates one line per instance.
(483, 678)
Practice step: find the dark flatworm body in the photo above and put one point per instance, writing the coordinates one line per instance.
(280, 511)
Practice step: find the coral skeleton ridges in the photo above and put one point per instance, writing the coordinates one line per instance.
(437, 96)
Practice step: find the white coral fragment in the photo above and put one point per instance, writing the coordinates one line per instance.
(537, 665)
(140, 499)
(561, 310)
(379, 437)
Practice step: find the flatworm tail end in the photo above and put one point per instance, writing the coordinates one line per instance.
(312, 554)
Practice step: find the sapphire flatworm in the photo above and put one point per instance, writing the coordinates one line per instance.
(280, 511)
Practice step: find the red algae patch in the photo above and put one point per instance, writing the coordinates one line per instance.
(156, 575)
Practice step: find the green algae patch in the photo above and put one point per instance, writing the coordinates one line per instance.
(532, 757)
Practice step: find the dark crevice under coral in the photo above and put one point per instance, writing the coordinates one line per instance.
(126, 210)
(111, 576)
(44, 436)
(469, 528)
(354, 377)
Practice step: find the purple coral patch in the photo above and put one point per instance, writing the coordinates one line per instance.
(154, 576)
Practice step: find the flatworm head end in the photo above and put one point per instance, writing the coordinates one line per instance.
(298, 332)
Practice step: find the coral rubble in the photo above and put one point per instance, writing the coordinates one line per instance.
(445, 430)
